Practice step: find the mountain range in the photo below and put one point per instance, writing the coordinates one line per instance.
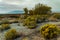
(16, 12)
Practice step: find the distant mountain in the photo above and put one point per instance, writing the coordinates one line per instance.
(16, 12)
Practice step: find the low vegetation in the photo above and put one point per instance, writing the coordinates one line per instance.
(4, 27)
(49, 31)
(30, 22)
(25, 38)
(57, 16)
(33, 20)
(59, 30)
(11, 34)
(5, 21)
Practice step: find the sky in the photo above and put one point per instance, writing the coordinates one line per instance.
(11, 5)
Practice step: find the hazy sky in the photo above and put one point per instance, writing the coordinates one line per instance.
(10, 5)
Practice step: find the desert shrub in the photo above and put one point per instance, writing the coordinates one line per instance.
(25, 38)
(57, 16)
(32, 25)
(42, 18)
(5, 21)
(49, 31)
(11, 34)
(30, 22)
(59, 30)
(4, 27)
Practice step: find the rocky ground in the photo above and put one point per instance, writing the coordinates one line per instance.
(29, 34)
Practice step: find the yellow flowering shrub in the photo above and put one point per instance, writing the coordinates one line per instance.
(49, 31)
(30, 22)
(4, 26)
(5, 21)
(59, 30)
(11, 34)
(25, 38)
